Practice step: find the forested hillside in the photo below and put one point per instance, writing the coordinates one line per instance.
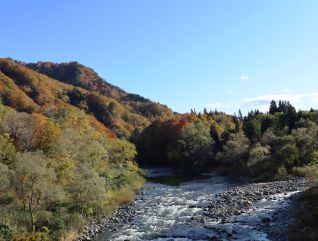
(81, 76)
(64, 154)
(77, 86)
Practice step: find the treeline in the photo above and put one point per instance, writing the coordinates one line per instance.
(263, 145)
(57, 171)
(189, 142)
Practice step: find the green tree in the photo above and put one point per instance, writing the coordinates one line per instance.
(193, 149)
(7, 151)
(306, 140)
(22, 128)
(215, 136)
(273, 107)
(236, 122)
(240, 115)
(258, 153)
(252, 124)
(92, 152)
(4, 178)
(35, 183)
(87, 188)
(288, 155)
(266, 123)
(235, 151)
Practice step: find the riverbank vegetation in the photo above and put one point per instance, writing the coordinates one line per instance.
(61, 161)
(57, 172)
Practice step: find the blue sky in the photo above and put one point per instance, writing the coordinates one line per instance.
(227, 54)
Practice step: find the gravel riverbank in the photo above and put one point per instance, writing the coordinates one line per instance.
(122, 215)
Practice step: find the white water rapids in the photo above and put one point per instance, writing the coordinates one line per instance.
(166, 212)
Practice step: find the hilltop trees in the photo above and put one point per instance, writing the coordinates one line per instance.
(273, 107)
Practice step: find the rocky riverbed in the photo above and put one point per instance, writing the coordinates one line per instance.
(266, 207)
(207, 209)
(240, 198)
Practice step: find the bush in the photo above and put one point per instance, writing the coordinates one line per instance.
(5, 232)
(288, 155)
(281, 171)
(309, 171)
(38, 236)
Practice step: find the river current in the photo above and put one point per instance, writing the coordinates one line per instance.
(170, 209)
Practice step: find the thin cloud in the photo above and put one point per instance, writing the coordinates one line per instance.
(300, 101)
(264, 99)
(219, 106)
(313, 97)
(287, 90)
(244, 77)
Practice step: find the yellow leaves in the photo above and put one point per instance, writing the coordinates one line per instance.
(46, 134)
(132, 167)
(63, 163)
(64, 168)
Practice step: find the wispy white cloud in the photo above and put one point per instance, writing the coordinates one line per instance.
(244, 77)
(300, 101)
(265, 99)
(313, 97)
(287, 90)
(219, 106)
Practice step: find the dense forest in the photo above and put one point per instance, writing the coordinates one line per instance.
(262, 145)
(71, 145)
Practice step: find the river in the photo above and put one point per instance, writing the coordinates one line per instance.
(169, 208)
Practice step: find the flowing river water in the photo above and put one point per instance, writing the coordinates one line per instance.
(169, 209)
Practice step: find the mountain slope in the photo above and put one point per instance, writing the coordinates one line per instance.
(27, 90)
(79, 75)
(60, 161)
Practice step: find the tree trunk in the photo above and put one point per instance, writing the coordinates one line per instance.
(31, 216)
